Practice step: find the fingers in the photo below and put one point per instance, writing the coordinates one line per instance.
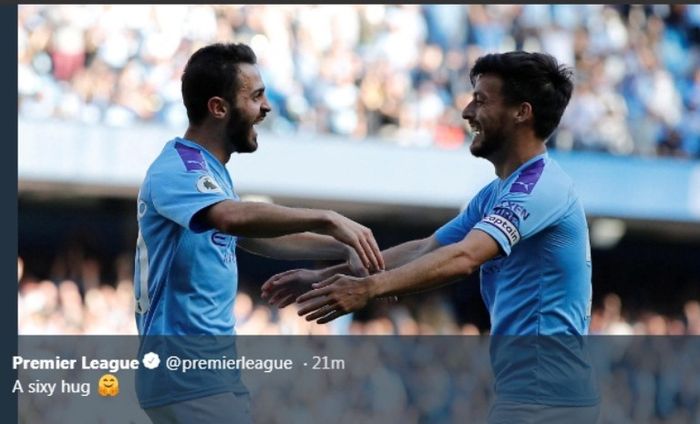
(267, 285)
(359, 248)
(286, 301)
(278, 296)
(326, 282)
(369, 244)
(330, 317)
(268, 293)
(376, 251)
(320, 313)
(371, 254)
(273, 285)
(316, 299)
(318, 289)
(362, 240)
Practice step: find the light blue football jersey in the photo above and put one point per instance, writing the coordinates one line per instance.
(185, 275)
(538, 291)
(541, 284)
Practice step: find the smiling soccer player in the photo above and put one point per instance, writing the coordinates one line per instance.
(191, 221)
(526, 232)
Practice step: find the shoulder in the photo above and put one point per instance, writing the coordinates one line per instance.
(487, 191)
(178, 157)
(543, 181)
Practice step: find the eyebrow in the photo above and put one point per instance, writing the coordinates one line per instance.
(259, 90)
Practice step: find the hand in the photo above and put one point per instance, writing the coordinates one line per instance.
(359, 238)
(354, 264)
(281, 289)
(334, 297)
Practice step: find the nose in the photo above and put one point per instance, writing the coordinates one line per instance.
(265, 107)
(468, 111)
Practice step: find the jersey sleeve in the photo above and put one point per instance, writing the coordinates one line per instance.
(180, 194)
(457, 228)
(517, 216)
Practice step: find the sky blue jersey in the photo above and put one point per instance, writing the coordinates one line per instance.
(538, 290)
(185, 274)
(541, 283)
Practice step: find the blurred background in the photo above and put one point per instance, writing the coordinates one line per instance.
(366, 120)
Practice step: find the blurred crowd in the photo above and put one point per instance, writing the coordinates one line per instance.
(648, 380)
(638, 381)
(408, 386)
(392, 73)
(62, 306)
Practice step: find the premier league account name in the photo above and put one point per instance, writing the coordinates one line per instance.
(58, 363)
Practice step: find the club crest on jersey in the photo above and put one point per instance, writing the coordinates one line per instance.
(207, 184)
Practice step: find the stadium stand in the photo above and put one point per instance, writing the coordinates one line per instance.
(636, 67)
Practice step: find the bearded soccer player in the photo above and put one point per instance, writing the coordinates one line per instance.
(191, 220)
(526, 231)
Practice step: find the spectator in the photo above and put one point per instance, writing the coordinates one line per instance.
(386, 72)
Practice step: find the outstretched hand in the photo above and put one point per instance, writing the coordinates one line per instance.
(282, 289)
(359, 238)
(334, 297)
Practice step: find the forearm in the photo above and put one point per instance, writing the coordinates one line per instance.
(394, 257)
(427, 272)
(404, 253)
(257, 219)
(300, 246)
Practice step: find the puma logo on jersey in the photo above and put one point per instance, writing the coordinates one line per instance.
(528, 178)
(526, 187)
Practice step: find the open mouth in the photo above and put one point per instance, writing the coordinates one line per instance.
(475, 128)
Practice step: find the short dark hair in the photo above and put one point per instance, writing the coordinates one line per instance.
(212, 71)
(535, 78)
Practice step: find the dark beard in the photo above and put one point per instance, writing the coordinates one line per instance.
(493, 143)
(487, 147)
(238, 134)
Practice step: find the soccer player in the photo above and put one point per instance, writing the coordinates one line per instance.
(191, 221)
(526, 231)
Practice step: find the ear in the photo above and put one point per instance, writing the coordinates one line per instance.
(523, 112)
(218, 107)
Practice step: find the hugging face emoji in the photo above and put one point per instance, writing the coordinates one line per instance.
(108, 385)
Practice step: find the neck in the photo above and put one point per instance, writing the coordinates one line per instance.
(211, 139)
(514, 155)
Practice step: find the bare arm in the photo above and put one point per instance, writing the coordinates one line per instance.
(438, 267)
(263, 220)
(404, 253)
(394, 257)
(281, 289)
(299, 246)
(258, 219)
(342, 294)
